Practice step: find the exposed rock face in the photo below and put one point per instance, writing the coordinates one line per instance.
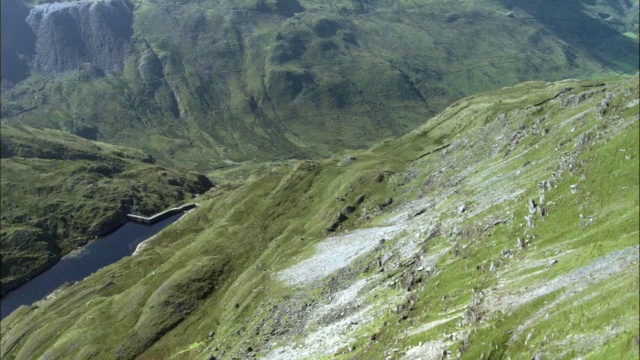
(18, 41)
(73, 33)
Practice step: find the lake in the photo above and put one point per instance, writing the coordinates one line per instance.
(82, 263)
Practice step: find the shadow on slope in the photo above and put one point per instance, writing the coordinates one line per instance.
(569, 21)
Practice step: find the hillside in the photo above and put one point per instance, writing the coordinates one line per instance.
(59, 191)
(504, 227)
(201, 85)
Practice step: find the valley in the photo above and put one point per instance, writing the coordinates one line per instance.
(59, 191)
(509, 241)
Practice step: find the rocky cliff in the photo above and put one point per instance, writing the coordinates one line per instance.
(73, 33)
(17, 41)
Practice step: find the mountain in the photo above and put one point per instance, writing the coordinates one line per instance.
(201, 85)
(59, 191)
(504, 227)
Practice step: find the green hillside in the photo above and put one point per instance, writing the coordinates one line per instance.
(504, 227)
(210, 83)
(60, 191)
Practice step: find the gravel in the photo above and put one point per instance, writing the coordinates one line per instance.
(335, 253)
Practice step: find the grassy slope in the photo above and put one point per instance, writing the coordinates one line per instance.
(216, 270)
(59, 191)
(241, 81)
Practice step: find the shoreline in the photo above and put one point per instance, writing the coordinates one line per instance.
(121, 220)
(143, 244)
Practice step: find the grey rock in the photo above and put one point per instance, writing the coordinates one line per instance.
(339, 220)
(71, 34)
(542, 211)
(529, 336)
(529, 219)
(603, 106)
(470, 316)
(420, 212)
(543, 184)
(18, 41)
(347, 160)
(569, 100)
(537, 356)
(502, 221)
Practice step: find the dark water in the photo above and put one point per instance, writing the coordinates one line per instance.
(103, 252)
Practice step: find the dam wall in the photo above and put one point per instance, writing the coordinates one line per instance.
(160, 216)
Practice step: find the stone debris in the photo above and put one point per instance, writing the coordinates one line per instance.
(537, 356)
(545, 184)
(529, 219)
(347, 160)
(603, 106)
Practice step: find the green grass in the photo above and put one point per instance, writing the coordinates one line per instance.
(215, 270)
(629, 34)
(60, 191)
(253, 86)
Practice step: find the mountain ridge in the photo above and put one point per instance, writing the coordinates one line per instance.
(208, 83)
(475, 234)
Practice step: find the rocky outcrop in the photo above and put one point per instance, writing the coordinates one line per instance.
(18, 41)
(70, 34)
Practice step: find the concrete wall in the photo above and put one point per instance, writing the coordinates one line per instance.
(160, 216)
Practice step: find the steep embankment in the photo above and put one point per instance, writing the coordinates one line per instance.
(211, 81)
(59, 191)
(506, 226)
